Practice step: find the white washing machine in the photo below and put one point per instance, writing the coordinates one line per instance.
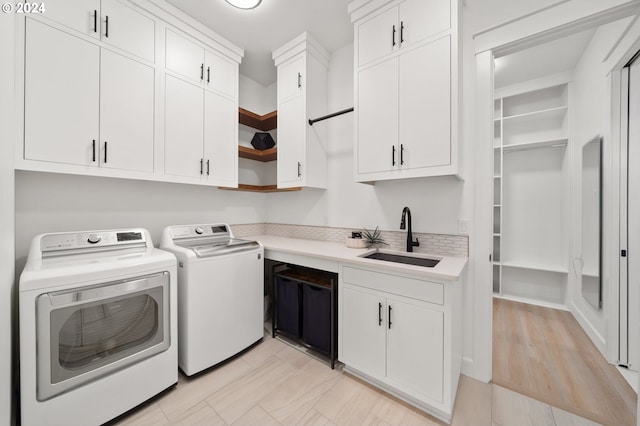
(220, 293)
(98, 326)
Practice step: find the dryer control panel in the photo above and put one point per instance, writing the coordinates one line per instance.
(50, 243)
(194, 231)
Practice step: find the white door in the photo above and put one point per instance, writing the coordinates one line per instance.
(184, 57)
(420, 19)
(80, 15)
(184, 128)
(291, 79)
(425, 105)
(127, 29)
(363, 330)
(378, 118)
(634, 217)
(220, 140)
(291, 132)
(415, 346)
(220, 74)
(378, 36)
(61, 96)
(126, 113)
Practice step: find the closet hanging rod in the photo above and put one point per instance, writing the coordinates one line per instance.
(335, 114)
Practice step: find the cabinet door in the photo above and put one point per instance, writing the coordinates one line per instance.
(378, 36)
(184, 128)
(291, 130)
(425, 105)
(61, 96)
(126, 113)
(127, 29)
(80, 15)
(184, 57)
(420, 19)
(221, 141)
(220, 74)
(363, 330)
(291, 79)
(378, 118)
(415, 357)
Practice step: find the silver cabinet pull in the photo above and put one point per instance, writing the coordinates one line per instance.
(299, 80)
(299, 165)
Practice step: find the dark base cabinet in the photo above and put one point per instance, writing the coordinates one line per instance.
(306, 308)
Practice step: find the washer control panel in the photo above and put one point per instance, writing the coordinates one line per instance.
(81, 240)
(194, 231)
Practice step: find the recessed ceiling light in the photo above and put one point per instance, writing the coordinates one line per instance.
(244, 4)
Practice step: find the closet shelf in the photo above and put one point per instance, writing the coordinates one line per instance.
(556, 112)
(258, 188)
(261, 122)
(535, 267)
(270, 154)
(555, 143)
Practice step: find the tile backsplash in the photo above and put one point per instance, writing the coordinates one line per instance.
(442, 244)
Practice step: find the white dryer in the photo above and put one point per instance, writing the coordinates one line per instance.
(98, 326)
(220, 293)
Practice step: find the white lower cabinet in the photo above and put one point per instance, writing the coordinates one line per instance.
(402, 334)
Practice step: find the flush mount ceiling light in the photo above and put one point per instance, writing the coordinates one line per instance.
(244, 4)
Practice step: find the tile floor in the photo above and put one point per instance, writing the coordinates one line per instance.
(276, 384)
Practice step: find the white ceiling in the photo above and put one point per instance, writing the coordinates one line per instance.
(272, 24)
(541, 60)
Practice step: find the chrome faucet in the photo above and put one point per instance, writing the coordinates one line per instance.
(410, 243)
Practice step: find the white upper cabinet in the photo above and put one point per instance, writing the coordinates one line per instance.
(406, 89)
(302, 95)
(189, 59)
(220, 140)
(62, 87)
(110, 21)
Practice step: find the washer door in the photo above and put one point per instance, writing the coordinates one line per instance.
(89, 332)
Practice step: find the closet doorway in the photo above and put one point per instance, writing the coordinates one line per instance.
(552, 132)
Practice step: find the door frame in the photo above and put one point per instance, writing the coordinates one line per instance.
(565, 18)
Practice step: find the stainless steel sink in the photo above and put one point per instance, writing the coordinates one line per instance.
(398, 258)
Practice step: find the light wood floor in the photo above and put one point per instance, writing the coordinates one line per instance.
(275, 384)
(543, 353)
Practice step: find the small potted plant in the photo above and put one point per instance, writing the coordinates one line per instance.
(373, 238)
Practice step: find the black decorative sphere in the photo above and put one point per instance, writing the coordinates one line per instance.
(262, 141)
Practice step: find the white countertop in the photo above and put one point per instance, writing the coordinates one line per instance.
(449, 268)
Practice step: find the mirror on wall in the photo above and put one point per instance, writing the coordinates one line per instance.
(592, 222)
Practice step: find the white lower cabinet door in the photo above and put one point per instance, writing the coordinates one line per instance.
(378, 118)
(126, 113)
(184, 128)
(291, 138)
(62, 91)
(221, 141)
(363, 330)
(415, 345)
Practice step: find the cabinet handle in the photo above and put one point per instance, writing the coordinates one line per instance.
(299, 165)
(379, 314)
(389, 317)
(93, 155)
(201, 72)
(401, 32)
(401, 154)
(393, 36)
(106, 26)
(95, 21)
(299, 80)
(393, 155)
(105, 152)
(208, 74)
(208, 167)
(201, 165)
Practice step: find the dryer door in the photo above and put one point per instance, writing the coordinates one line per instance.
(88, 332)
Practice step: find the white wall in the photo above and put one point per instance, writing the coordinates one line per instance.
(7, 138)
(255, 97)
(47, 202)
(590, 115)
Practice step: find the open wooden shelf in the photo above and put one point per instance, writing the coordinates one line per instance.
(261, 122)
(259, 188)
(270, 154)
